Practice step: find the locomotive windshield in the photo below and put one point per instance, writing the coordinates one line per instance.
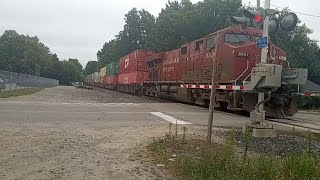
(234, 38)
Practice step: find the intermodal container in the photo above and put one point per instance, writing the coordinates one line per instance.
(134, 61)
(111, 79)
(103, 71)
(136, 77)
(113, 68)
(96, 77)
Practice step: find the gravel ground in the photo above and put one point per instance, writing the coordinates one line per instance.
(76, 153)
(70, 149)
(282, 145)
(70, 94)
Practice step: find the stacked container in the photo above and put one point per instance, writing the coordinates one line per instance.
(133, 69)
(112, 74)
(96, 78)
(102, 74)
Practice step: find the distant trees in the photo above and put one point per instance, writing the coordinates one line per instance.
(25, 54)
(69, 72)
(136, 32)
(91, 67)
(22, 54)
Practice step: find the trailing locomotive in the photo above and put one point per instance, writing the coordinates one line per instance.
(185, 74)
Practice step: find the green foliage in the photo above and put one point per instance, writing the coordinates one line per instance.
(196, 160)
(137, 30)
(91, 67)
(19, 53)
(25, 54)
(305, 102)
(19, 92)
(69, 72)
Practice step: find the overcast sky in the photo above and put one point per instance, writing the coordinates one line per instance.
(78, 28)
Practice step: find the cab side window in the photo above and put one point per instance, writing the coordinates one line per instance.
(211, 42)
(184, 50)
(198, 44)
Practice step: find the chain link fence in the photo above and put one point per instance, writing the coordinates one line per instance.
(13, 81)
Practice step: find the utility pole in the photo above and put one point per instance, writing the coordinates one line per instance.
(264, 52)
(258, 4)
(211, 107)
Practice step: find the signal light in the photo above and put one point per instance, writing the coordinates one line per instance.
(258, 18)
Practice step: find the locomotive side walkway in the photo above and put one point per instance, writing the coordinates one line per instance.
(71, 133)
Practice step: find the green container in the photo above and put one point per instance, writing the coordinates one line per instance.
(113, 68)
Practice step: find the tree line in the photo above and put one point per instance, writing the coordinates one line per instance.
(182, 21)
(25, 54)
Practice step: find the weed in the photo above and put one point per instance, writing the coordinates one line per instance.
(169, 135)
(247, 138)
(221, 161)
(19, 92)
(176, 128)
(184, 134)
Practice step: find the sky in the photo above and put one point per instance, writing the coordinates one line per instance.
(79, 28)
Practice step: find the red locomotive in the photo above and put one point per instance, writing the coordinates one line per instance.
(185, 74)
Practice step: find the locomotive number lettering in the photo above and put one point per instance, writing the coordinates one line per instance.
(243, 54)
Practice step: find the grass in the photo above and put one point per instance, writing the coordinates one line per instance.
(19, 92)
(195, 159)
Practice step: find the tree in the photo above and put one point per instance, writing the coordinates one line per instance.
(24, 54)
(136, 32)
(76, 62)
(182, 22)
(69, 73)
(91, 67)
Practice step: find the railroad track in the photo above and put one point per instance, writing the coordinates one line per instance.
(303, 122)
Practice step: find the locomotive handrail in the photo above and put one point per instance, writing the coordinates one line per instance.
(242, 73)
(246, 78)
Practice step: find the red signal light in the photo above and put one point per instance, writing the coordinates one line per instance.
(258, 18)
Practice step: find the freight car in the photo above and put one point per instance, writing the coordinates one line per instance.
(185, 74)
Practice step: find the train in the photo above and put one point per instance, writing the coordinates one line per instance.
(224, 59)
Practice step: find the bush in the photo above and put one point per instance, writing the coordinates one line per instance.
(305, 102)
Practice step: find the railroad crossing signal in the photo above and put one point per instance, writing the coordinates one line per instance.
(257, 17)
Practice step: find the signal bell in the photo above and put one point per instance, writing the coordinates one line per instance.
(289, 21)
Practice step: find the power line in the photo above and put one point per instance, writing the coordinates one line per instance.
(311, 15)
